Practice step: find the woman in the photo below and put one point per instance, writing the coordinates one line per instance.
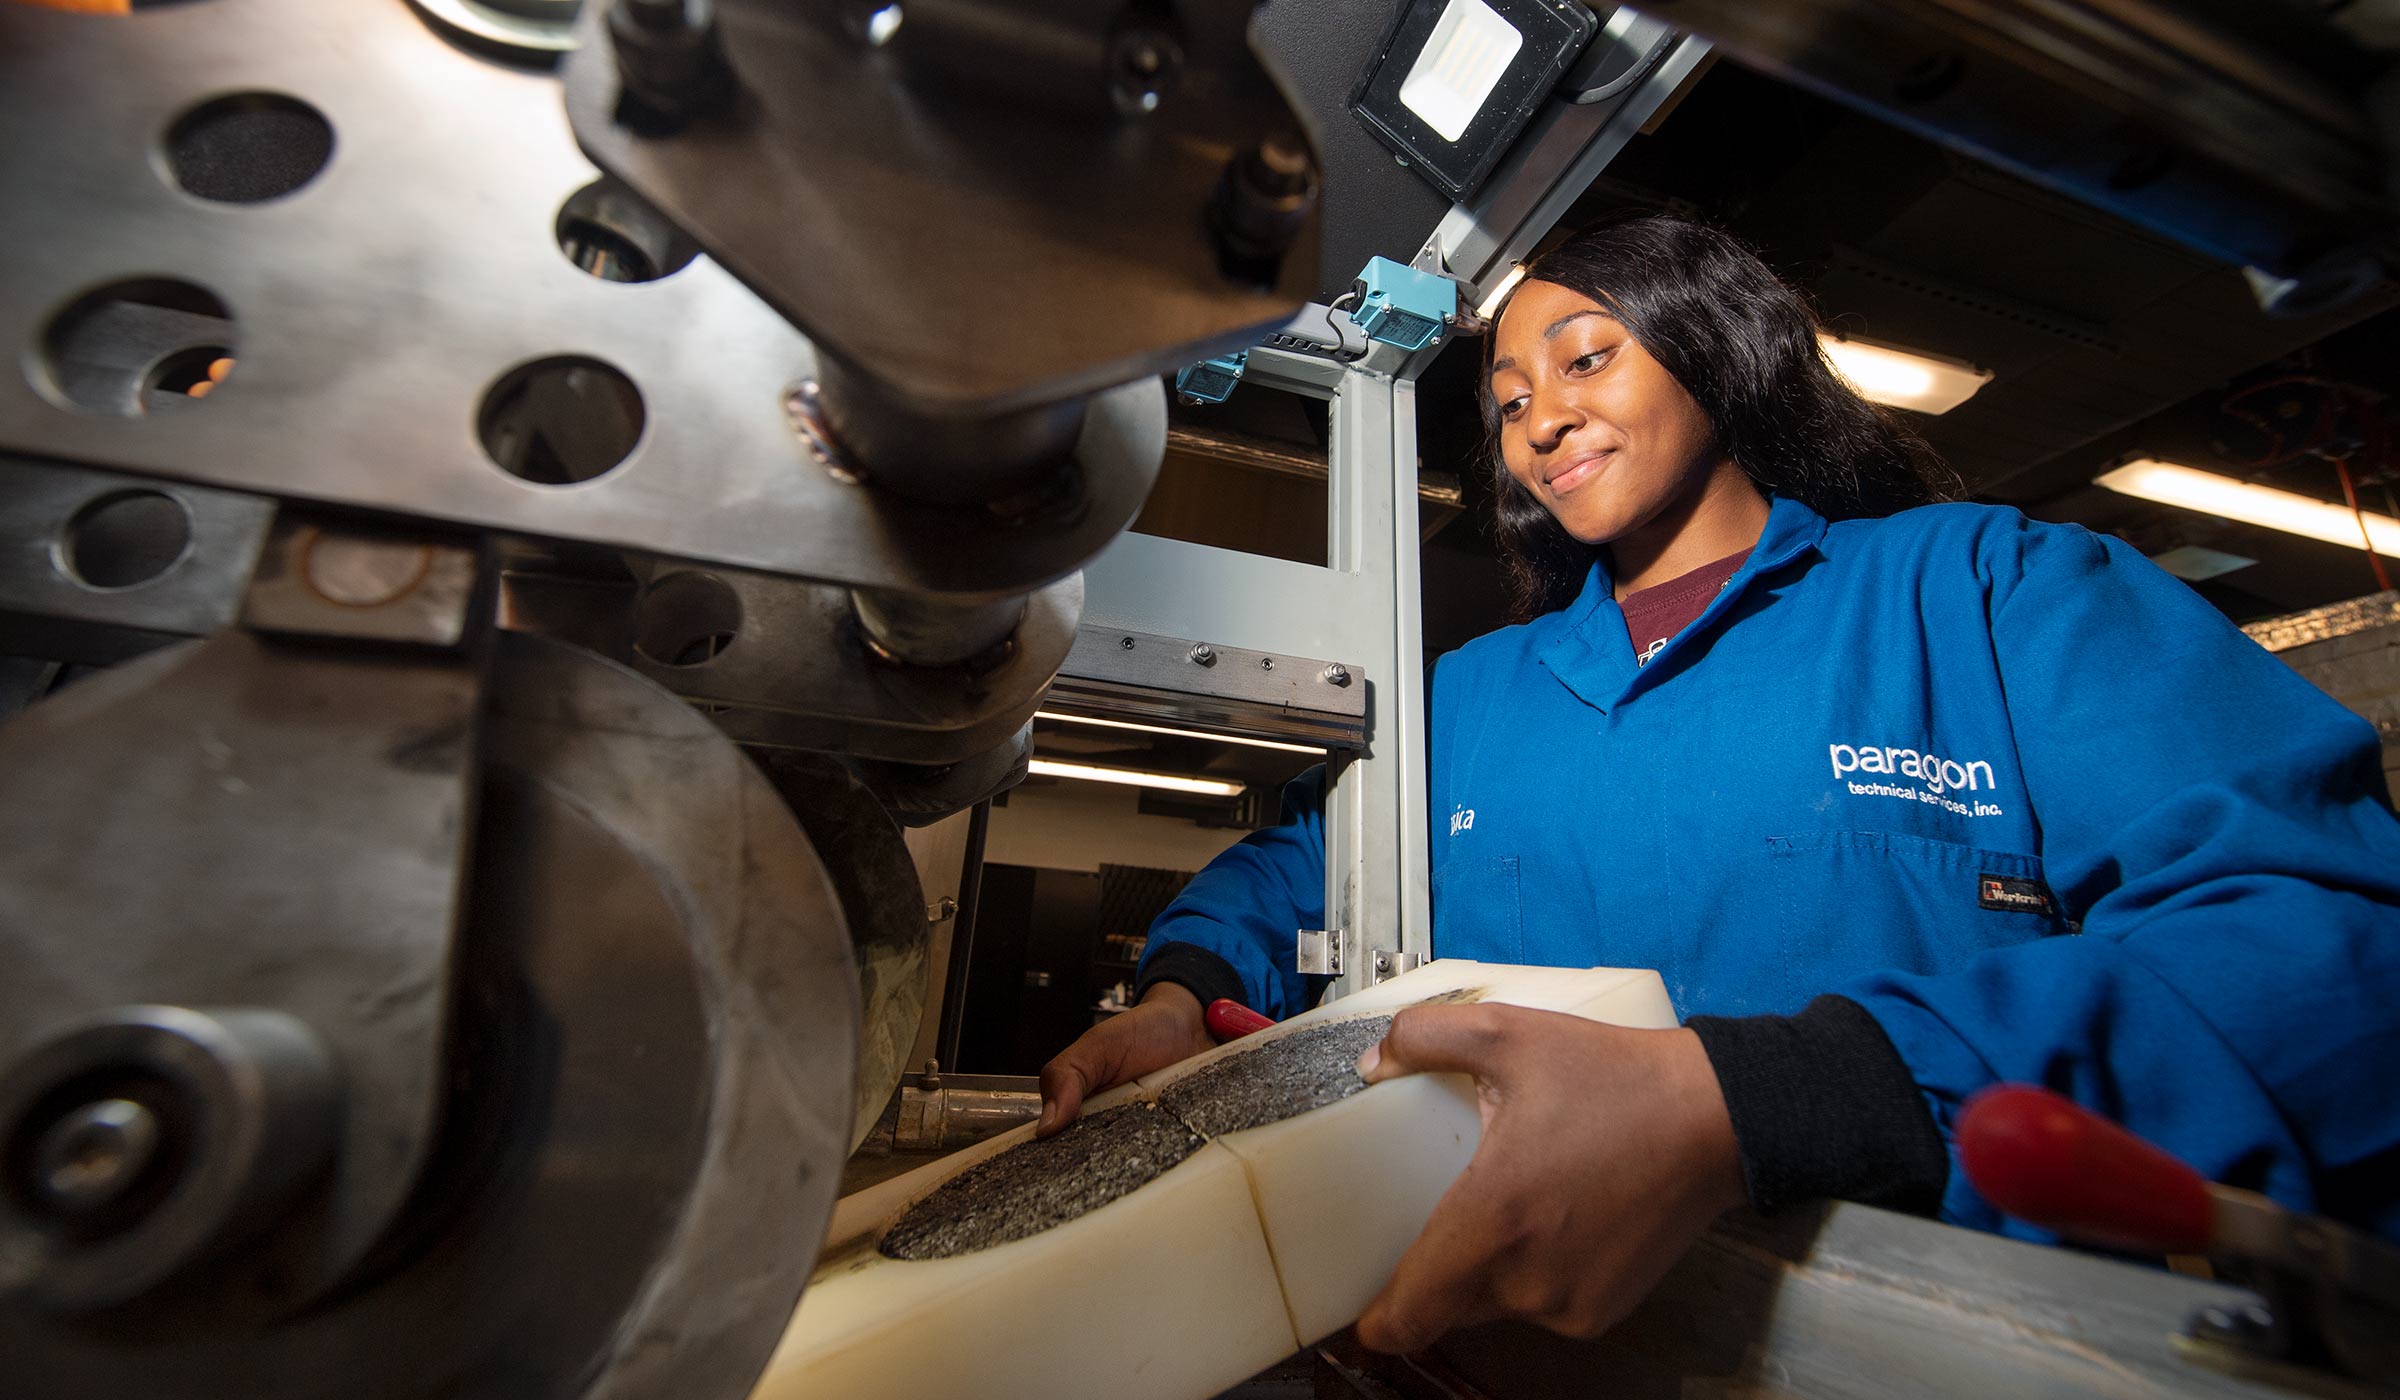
(1900, 805)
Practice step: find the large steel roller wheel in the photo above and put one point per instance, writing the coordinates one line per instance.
(642, 1114)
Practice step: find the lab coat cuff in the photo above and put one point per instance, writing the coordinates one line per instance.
(1823, 1106)
(1201, 972)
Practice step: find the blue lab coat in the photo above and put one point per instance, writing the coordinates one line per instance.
(2020, 794)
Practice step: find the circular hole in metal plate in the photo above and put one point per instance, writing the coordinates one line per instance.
(686, 619)
(247, 148)
(615, 235)
(560, 421)
(136, 347)
(124, 539)
(531, 32)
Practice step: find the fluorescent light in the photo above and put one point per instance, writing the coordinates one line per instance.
(1459, 66)
(1178, 733)
(1491, 304)
(1210, 787)
(2171, 483)
(1887, 374)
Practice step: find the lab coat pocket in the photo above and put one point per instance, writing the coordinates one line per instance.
(1476, 910)
(1857, 902)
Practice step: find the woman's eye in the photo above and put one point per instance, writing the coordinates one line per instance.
(1585, 364)
(1513, 407)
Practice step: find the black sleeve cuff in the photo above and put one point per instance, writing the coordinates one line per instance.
(1823, 1106)
(1201, 972)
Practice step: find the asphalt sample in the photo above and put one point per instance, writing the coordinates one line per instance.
(1041, 1183)
(1044, 1182)
(1281, 1079)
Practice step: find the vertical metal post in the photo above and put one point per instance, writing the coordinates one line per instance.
(962, 938)
(1375, 842)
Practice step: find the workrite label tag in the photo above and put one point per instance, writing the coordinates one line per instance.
(2014, 896)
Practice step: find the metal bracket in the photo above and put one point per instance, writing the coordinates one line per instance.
(1128, 675)
(1320, 952)
(1390, 964)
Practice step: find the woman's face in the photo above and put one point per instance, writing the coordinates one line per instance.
(1597, 430)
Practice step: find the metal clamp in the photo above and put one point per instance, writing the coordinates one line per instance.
(1390, 963)
(1319, 952)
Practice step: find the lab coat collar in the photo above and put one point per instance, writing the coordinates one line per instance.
(1590, 654)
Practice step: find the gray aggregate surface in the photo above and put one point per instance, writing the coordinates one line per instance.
(1281, 1079)
(1042, 1183)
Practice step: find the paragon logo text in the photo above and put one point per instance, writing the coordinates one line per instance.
(1938, 776)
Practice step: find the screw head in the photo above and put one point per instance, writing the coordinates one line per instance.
(1125, 642)
(2245, 1325)
(1336, 674)
(92, 1155)
(1266, 663)
(1203, 654)
(359, 571)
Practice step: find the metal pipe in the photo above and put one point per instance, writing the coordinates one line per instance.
(943, 1118)
(927, 629)
(977, 460)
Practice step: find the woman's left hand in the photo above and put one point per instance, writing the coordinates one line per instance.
(1605, 1153)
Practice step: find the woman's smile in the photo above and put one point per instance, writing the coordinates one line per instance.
(1578, 471)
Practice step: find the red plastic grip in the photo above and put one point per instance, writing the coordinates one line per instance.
(2047, 1160)
(1230, 1020)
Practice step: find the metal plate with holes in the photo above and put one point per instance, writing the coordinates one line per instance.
(373, 308)
(164, 560)
(1127, 674)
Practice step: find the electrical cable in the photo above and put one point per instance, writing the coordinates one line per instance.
(2383, 579)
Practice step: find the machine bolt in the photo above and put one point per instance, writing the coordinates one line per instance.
(2249, 1327)
(1261, 204)
(668, 59)
(1142, 66)
(1203, 654)
(1280, 167)
(91, 1156)
(1337, 674)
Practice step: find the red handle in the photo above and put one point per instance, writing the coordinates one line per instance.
(1230, 1020)
(2051, 1162)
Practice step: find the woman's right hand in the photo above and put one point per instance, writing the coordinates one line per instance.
(1164, 1028)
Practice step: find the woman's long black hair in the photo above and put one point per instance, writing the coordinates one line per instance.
(1744, 346)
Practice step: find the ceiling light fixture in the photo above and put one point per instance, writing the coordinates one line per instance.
(1179, 733)
(1888, 374)
(1169, 782)
(2173, 484)
(1454, 81)
(1491, 304)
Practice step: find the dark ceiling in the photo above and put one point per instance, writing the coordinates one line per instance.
(2105, 340)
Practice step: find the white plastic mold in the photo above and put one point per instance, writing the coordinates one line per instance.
(1261, 1242)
